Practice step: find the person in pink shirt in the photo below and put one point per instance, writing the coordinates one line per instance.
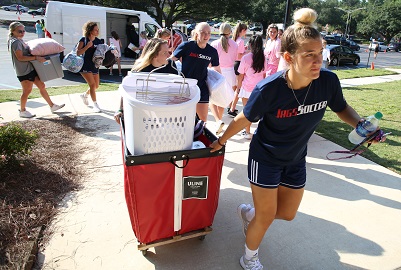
(272, 50)
(239, 33)
(228, 52)
(252, 70)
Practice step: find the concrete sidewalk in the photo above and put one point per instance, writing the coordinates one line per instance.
(350, 217)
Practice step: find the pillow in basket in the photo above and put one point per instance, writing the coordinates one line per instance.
(44, 46)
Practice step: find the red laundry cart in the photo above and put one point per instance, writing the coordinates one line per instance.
(172, 196)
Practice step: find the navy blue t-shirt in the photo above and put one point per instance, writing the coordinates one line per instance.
(167, 69)
(89, 65)
(195, 61)
(285, 126)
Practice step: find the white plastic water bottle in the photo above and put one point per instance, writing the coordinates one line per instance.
(364, 128)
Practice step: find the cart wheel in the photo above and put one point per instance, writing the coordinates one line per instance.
(144, 252)
(202, 237)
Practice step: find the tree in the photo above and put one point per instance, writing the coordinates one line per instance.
(383, 19)
(170, 11)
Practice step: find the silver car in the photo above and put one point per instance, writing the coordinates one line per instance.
(13, 7)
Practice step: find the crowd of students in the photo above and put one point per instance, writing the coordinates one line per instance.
(286, 99)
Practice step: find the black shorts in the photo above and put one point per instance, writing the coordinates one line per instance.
(204, 95)
(273, 175)
(30, 76)
(236, 65)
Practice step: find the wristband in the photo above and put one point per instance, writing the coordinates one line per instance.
(218, 141)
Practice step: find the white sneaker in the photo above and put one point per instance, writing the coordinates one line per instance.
(252, 264)
(246, 135)
(56, 107)
(26, 114)
(242, 209)
(96, 108)
(220, 129)
(84, 98)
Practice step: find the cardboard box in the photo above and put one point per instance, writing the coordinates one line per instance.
(50, 69)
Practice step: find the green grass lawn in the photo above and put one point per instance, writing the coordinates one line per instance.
(12, 95)
(366, 100)
(362, 72)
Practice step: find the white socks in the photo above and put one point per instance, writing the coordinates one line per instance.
(250, 253)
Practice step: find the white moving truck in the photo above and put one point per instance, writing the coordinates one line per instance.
(64, 22)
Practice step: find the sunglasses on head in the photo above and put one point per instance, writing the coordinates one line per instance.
(21, 31)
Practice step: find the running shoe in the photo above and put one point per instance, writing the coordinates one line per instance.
(252, 264)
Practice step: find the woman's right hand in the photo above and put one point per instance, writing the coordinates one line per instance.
(41, 59)
(117, 116)
(89, 44)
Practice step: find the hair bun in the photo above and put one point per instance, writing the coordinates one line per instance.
(306, 16)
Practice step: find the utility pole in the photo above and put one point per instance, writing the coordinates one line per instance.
(287, 18)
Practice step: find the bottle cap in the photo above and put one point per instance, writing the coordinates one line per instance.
(378, 115)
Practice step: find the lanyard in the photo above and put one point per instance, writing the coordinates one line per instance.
(378, 136)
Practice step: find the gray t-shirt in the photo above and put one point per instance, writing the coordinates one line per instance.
(21, 67)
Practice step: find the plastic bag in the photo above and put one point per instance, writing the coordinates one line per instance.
(221, 94)
(72, 61)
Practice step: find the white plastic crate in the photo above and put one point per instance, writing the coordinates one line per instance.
(159, 112)
(50, 69)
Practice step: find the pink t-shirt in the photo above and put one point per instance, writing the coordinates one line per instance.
(142, 43)
(226, 59)
(272, 51)
(250, 77)
(241, 47)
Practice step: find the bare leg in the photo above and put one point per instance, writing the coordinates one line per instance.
(235, 101)
(202, 110)
(43, 92)
(244, 102)
(93, 81)
(119, 65)
(26, 90)
(280, 203)
(217, 111)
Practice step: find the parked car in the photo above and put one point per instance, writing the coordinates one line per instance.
(13, 7)
(211, 23)
(39, 11)
(382, 46)
(335, 39)
(217, 25)
(190, 27)
(342, 54)
(353, 45)
(255, 28)
(394, 46)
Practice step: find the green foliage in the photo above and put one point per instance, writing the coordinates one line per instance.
(15, 142)
(382, 17)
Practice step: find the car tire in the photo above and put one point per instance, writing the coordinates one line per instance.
(356, 61)
(334, 61)
(6, 9)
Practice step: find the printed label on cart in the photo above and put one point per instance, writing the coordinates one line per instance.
(195, 187)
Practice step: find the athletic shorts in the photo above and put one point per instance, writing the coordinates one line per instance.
(236, 65)
(30, 76)
(269, 175)
(94, 71)
(204, 95)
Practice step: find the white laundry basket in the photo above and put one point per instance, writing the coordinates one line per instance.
(159, 112)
